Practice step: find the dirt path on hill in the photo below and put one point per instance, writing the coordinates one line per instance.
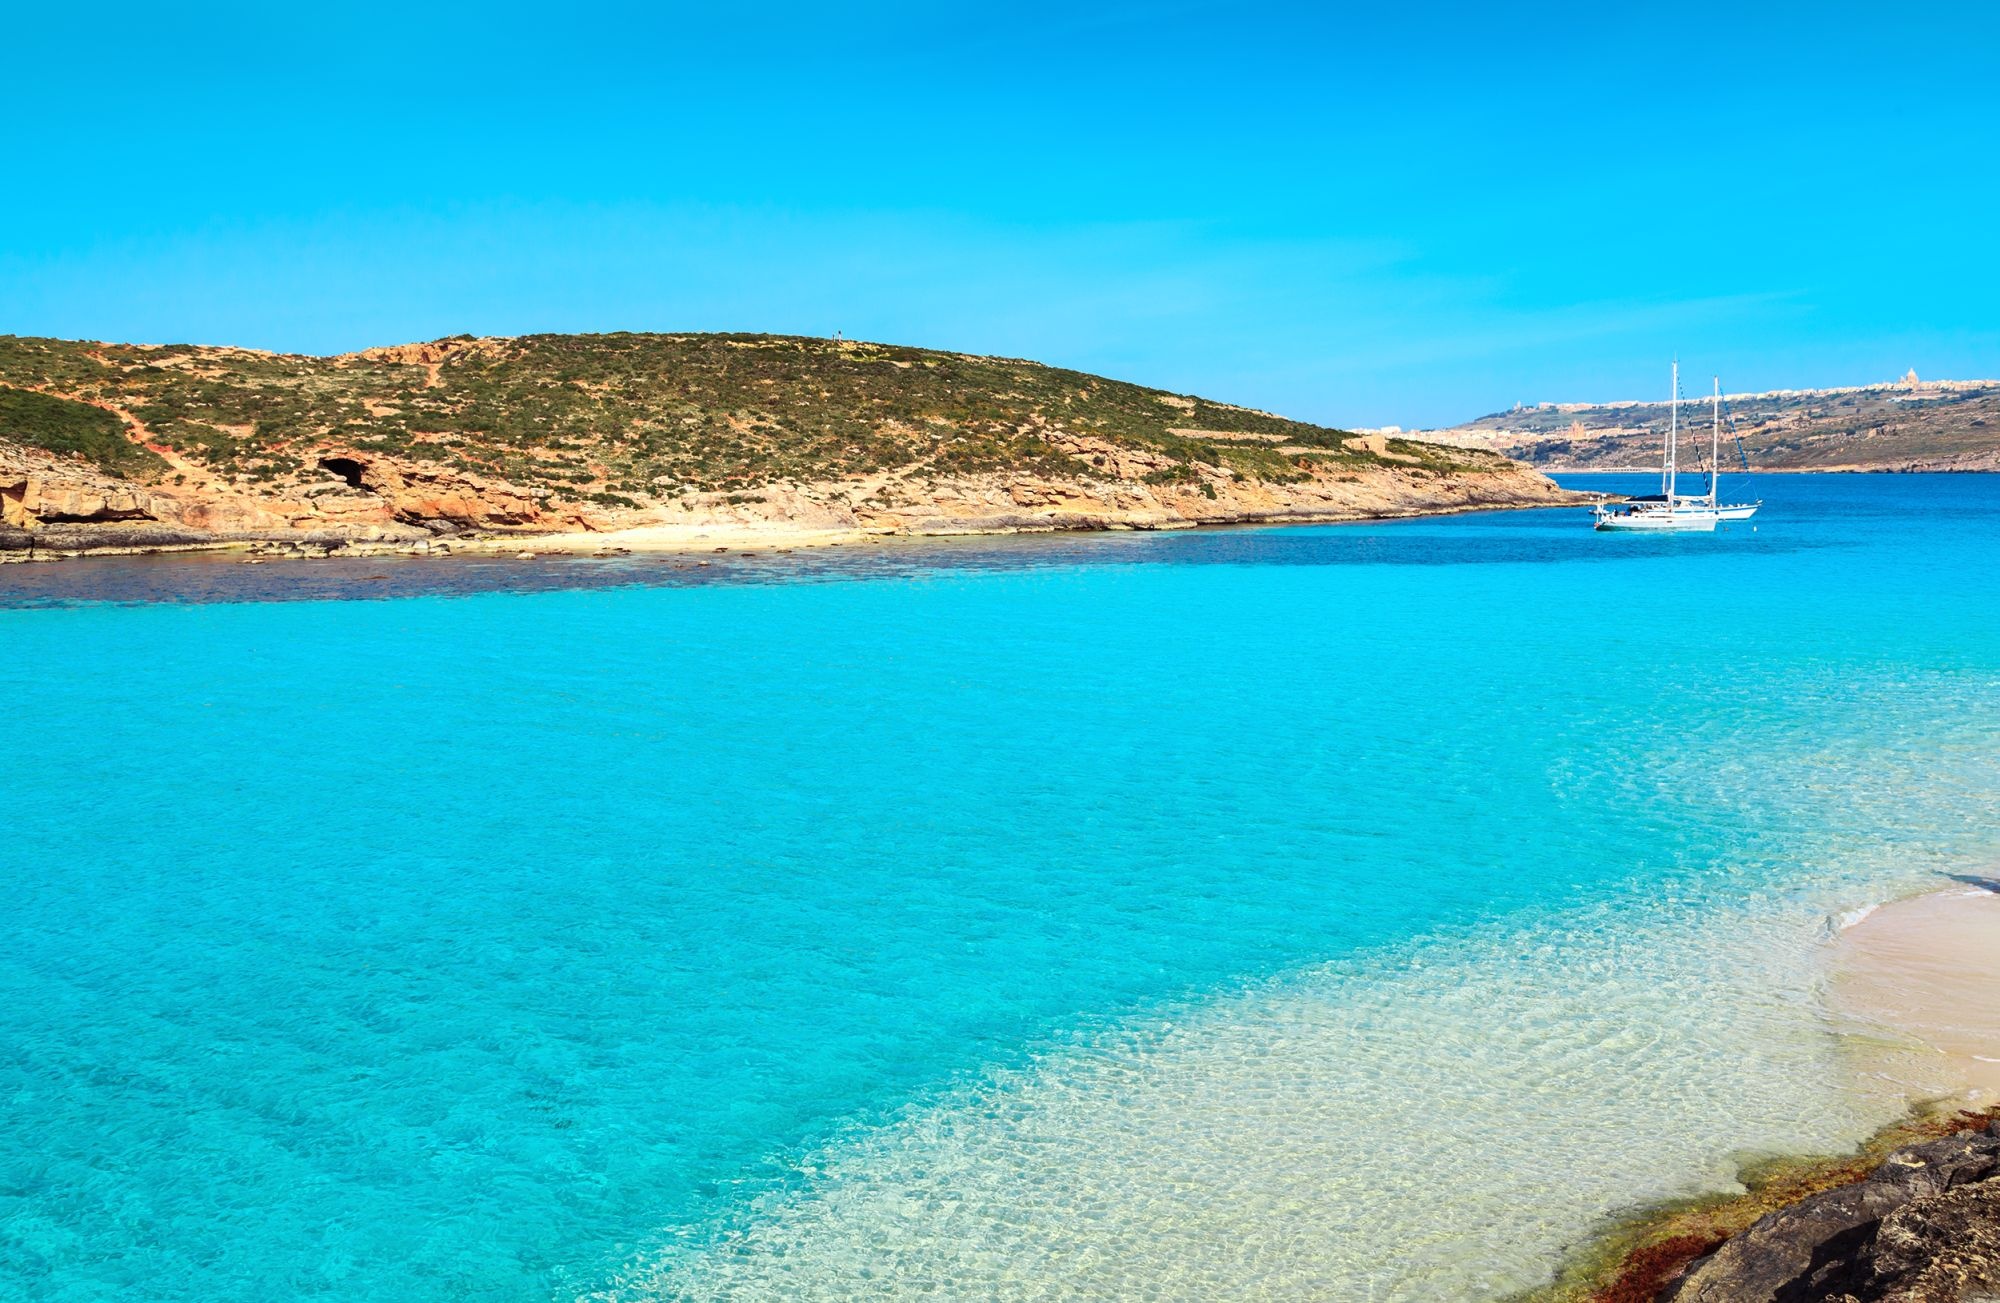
(195, 474)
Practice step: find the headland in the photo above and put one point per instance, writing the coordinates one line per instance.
(674, 442)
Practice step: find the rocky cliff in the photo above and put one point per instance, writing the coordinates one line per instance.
(122, 446)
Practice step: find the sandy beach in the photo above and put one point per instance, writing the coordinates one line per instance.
(1919, 980)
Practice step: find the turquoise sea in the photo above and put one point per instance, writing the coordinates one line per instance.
(1352, 912)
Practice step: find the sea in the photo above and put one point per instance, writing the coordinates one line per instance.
(1354, 912)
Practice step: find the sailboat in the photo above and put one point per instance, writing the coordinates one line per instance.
(1724, 510)
(1669, 509)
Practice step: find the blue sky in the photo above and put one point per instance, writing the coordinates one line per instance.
(1410, 213)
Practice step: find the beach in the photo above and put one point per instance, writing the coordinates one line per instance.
(898, 652)
(1916, 982)
(1908, 991)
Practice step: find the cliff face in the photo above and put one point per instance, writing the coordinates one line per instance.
(107, 446)
(65, 504)
(60, 505)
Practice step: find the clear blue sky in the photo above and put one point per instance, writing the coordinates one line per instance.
(1405, 213)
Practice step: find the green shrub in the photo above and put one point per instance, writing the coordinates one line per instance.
(703, 412)
(75, 429)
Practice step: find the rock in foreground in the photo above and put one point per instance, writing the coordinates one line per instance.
(1924, 1227)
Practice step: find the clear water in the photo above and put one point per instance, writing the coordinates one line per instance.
(1356, 911)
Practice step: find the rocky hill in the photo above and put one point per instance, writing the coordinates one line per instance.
(1909, 425)
(118, 445)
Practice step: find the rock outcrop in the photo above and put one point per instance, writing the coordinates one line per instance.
(63, 504)
(1924, 1227)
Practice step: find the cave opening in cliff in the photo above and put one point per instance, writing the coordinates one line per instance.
(347, 468)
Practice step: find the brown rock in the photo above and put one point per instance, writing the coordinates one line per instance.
(1830, 1248)
(1943, 1249)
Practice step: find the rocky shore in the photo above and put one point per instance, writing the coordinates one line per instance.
(1914, 1215)
(1923, 1227)
(1912, 1218)
(55, 506)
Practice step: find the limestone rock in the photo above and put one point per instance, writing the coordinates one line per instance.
(1942, 1249)
(1924, 1227)
(345, 494)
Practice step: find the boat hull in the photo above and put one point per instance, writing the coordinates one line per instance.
(1659, 522)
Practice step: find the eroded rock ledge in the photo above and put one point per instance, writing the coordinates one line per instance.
(61, 505)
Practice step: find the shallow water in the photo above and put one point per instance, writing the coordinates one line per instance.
(1356, 911)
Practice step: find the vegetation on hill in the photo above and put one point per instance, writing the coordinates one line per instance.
(623, 417)
(78, 429)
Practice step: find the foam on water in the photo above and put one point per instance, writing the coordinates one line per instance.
(1847, 918)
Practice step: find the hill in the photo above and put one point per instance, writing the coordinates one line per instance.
(1909, 425)
(151, 445)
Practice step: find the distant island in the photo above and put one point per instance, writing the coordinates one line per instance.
(1905, 425)
(659, 440)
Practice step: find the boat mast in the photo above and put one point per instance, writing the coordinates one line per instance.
(1673, 434)
(1715, 442)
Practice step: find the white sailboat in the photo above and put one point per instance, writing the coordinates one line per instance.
(1669, 509)
(1724, 510)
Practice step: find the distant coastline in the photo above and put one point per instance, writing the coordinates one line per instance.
(1790, 470)
(1906, 425)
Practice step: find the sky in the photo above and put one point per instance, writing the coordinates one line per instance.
(1402, 213)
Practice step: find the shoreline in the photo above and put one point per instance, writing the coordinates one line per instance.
(1913, 984)
(744, 537)
(703, 537)
(1855, 468)
(1910, 990)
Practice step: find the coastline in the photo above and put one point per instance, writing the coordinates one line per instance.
(734, 448)
(1909, 990)
(768, 535)
(1853, 468)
